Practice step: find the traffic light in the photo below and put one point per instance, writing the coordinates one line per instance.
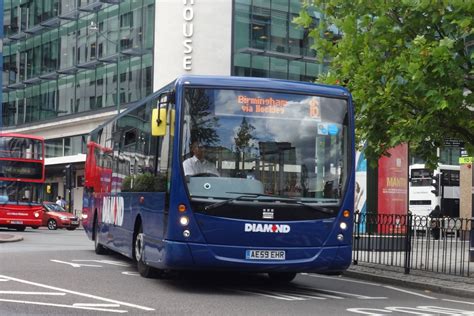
(69, 176)
(435, 182)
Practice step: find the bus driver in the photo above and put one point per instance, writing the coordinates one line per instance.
(197, 164)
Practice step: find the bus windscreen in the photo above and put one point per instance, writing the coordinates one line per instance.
(288, 145)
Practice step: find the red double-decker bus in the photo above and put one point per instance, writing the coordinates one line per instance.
(22, 176)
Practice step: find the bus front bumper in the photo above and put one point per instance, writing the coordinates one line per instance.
(184, 256)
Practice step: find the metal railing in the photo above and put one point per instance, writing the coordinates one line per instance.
(440, 245)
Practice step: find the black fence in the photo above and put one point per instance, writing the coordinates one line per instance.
(440, 245)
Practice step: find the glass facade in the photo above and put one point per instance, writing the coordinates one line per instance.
(268, 44)
(73, 56)
(66, 146)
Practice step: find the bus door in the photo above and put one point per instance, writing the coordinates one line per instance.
(140, 174)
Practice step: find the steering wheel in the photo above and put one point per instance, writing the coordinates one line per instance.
(205, 174)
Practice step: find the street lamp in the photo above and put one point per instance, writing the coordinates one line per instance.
(93, 27)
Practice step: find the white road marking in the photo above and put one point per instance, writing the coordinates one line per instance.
(408, 310)
(445, 310)
(66, 306)
(133, 273)
(455, 301)
(95, 305)
(362, 297)
(315, 296)
(32, 293)
(111, 262)
(3, 280)
(78, 293)
(77, 265)
(369, 311)
(273, 295)
(339, 279)
(410, 292)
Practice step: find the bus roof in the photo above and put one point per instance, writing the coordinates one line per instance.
(21, 136)
(262, 83)
(234, 82)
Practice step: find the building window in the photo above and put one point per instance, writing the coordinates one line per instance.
(66, 146)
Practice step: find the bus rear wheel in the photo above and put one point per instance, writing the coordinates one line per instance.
(138, 248)
(99, 249)
(281, 277)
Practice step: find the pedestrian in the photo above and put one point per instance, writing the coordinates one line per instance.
(435, 216)
(61, 202)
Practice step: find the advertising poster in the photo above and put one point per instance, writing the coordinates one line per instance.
(393, 190)
(360, 196)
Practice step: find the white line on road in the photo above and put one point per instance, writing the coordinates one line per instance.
(111, 262)
(339, 279)
(454, 301)
(66, 306)
(273, 295)
(95, 305)
(32, 293)
(77, 265)
(410, 292)
(78, 293)
(350, 294)
(134, 273)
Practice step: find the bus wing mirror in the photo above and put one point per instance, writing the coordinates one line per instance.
(158, 122)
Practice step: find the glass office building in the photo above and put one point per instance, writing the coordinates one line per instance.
(71, 64)
(69, 57)
(268, 44)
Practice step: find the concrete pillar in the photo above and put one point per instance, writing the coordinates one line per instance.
(466, 201)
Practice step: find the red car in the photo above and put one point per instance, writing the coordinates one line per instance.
(55, 217)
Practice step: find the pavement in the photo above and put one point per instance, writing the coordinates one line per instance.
(462, 286)
(6, 237)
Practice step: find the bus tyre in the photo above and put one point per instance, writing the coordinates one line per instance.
(99, 249)
(20, 228)
(281, 277)
(145, 270)
(52, 225)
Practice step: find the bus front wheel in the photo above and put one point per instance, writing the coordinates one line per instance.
(281, 277)
(145, 270)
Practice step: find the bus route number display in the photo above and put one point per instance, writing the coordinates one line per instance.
(279, 106)
(20, 170)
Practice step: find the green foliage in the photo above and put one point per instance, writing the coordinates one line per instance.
(408, 66)
(145, 182)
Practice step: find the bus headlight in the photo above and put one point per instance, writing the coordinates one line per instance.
(84, 216)
(184, 220)
(343, 225)
(340, 237)
(186, 233)
(37, 215)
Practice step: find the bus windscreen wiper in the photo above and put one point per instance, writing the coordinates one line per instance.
(272, 198)
(240, 197)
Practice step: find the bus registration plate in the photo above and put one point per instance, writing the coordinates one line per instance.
(17, 222)
(265, 254)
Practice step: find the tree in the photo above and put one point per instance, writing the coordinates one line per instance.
(242, 140)
(203, 122)
(408, 65)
